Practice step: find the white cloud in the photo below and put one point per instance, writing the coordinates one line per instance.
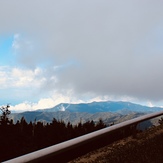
(27, 78)
(2, 80)
(65, 97)
(150, 104)
(45, 103)
(3, 77)
(15, 43)
(117, 43)
(24, 84)
(29, 106)
(19, 78)
(22, 107)
(21, 43)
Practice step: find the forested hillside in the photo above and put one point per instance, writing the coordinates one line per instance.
(21, 137)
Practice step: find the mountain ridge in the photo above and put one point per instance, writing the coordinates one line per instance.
(108, 111)
(103, 106)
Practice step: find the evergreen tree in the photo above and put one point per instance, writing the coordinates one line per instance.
(4, 120)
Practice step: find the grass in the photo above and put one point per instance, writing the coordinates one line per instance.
(145, 147)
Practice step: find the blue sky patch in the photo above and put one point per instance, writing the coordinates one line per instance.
(6, 54)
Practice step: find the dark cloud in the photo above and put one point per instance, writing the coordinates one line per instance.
(114, 47)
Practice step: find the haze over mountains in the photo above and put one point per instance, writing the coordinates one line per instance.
(108, 111)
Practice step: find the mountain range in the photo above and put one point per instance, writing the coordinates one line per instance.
(108, 111)
(106, 106)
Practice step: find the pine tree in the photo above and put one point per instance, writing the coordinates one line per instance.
(4, 120)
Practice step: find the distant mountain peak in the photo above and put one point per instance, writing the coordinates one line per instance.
(103, 106)
(109, 110)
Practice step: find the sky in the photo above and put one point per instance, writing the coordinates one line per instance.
(80, 51)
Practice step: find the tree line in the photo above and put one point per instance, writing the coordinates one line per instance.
(21, 137)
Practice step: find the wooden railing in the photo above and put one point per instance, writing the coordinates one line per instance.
(70, 145)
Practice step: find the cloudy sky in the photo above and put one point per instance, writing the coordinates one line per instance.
(80, 51)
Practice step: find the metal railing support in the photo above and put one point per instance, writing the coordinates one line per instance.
(70, 144)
